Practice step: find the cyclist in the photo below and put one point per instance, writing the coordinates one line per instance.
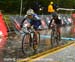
(33, 18)
(57, 22)
(34, 21)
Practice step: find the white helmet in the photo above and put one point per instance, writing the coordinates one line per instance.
(30, 12)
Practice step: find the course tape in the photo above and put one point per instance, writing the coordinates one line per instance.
(64, 38)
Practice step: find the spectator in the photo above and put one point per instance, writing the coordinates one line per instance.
(52, 8)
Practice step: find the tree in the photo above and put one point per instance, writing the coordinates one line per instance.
(13, 6)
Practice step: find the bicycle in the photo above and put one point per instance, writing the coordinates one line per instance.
(30, 39)
(55, 36)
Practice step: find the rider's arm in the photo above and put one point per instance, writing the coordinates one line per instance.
(22, 22)
(25, 17)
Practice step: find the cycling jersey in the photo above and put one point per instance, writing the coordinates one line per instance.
(35, 21)
(55, 21)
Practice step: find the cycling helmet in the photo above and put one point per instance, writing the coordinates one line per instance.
(30, 12)
(51, 2)
(54, 15)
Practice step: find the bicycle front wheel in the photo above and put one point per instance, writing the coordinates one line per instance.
(26, 42)
(52, 39)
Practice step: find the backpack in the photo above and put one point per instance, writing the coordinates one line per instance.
(55, 6)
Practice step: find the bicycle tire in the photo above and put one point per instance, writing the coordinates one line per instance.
(52, 38)
(26, 42)
(36, 40)
(55, 38)
(38, 36)
(58, 38)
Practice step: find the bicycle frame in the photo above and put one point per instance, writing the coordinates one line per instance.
(33, 42)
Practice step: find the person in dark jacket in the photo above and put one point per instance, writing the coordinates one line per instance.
(57, 22)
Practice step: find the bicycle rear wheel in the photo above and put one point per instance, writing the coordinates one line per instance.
(58, 38)
(36, 40)
(26, 42)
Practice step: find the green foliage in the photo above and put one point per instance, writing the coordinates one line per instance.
(10, 6)
(67, 3)
(13, 6)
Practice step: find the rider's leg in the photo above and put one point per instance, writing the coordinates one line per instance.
(59, 31)
(35, 36)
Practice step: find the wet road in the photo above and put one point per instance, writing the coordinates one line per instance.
(66, 54)
(13, 51)
(3, 41)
